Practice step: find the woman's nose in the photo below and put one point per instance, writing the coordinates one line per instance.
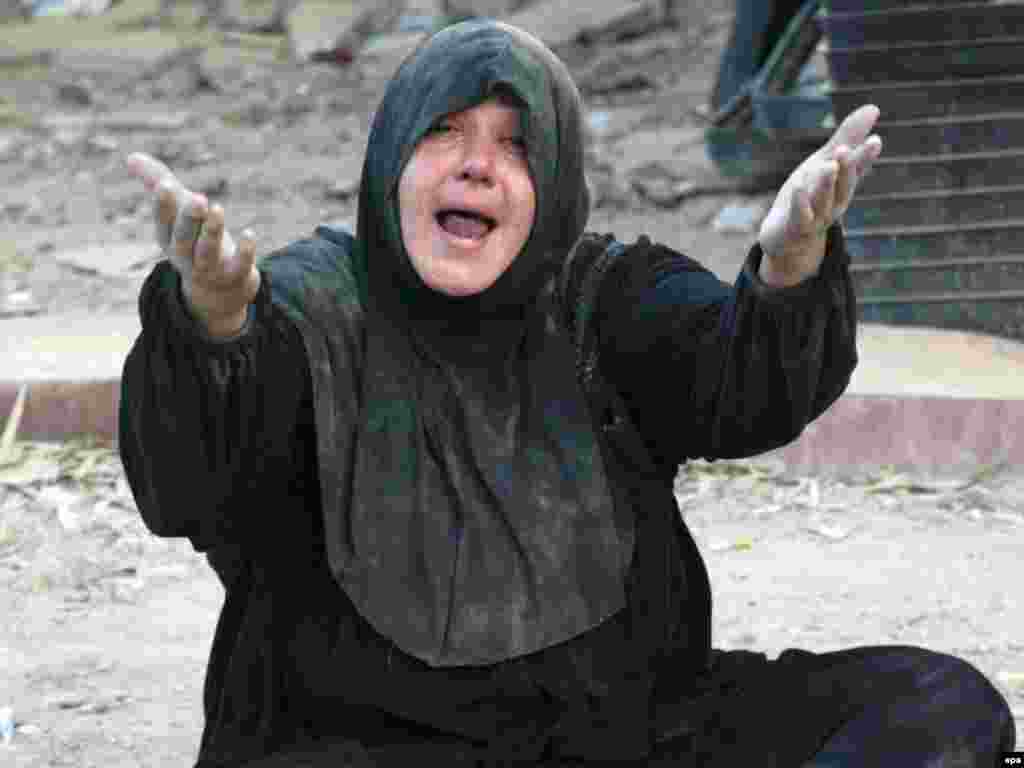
(478, 161)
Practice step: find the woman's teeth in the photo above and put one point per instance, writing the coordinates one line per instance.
(465, 224)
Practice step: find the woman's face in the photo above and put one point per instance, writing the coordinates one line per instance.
(466, 199)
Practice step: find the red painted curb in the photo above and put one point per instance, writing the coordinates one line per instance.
(933, 434)
(941, 435)
(59, 410)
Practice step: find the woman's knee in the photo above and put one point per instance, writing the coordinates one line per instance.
(957, 694)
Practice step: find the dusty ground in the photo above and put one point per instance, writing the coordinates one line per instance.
(106, 628)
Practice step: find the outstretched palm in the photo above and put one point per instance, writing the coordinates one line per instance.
(817, 193)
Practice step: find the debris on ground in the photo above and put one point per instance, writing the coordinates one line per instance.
(739, 218)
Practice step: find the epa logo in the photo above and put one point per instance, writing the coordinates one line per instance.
(1010, 760)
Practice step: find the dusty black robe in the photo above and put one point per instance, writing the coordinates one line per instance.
(219, 444)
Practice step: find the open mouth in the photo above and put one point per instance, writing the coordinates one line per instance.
(465, 224)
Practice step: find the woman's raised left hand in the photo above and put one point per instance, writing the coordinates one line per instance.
(794, 233)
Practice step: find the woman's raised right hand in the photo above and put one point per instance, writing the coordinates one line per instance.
(218, 276)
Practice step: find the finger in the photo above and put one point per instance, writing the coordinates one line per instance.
(807, 216)
(186, 230)
(164, 213)
(823, 194)
(150, 170)
(853, 168)
(246, 251)
(846, 180)
(866, 154)
(208, 249)
(855, 127)
(247, 257)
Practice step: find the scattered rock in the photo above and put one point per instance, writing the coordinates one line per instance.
(298, 103)
(632, 79)
(16, 210)
(75, 95)
(256, 112)
(342, 46)
(26, 60)
(739, 545)
(609, 190)
(343, 191)
(739, 218)
(664, 193)
(30, 730)
(11, 146)
(127, 120)
(126, 591)
(144, 121)
(175, 572)
(829, 530)
(180, 58)
(625, 22)
(19, 303)
(106, 260)
(381, 58)
(6, 725)
(103, 143)
(66, 701)
(493, 9)
(11, 10)
(562, 22)
(208, 182)
(653, 152)
(624, 67)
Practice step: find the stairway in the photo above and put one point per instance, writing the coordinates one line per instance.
(936, 231)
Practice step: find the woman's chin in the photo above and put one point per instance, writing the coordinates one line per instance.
(456, 286)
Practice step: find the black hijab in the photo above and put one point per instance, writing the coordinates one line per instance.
(467, 510)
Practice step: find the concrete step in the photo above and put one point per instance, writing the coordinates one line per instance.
(921, 24)
(910, 381)
(1000, 313)
(953, 135)
(941, 98)
(932, 173)
(936, 207)
(876, 245)
(865, 6)
(987, 275)
(865, 64)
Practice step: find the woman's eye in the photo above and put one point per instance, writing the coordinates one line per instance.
(518, 144)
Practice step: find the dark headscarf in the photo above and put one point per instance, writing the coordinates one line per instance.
(468, 515)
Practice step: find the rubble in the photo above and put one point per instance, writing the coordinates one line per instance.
(562, 22)
(107, 260)
(493, 9)
(625, 66)
(179, 74)
(739, 218)
(75, 94)
(342, 46)
(122, 121)
(664, 193)
(11, 10)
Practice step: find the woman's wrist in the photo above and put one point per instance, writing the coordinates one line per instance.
(227, 327)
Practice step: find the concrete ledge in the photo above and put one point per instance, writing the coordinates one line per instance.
(935, 401)
(58, 410)
(939, 435)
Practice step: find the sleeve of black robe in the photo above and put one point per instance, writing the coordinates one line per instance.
(717, 371)
(208, 428)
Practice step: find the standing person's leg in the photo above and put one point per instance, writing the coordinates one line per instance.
(951, 716)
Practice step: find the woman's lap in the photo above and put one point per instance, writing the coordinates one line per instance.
(867, 706)
(874, 706)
